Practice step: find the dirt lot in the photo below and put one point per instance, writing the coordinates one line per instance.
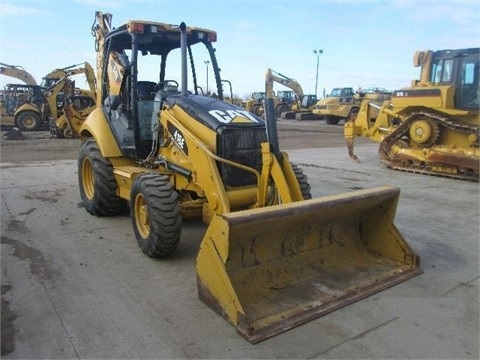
(41, 146)
(76, 286)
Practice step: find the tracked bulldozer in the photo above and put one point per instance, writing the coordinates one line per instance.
(272, 257)
(431, 127)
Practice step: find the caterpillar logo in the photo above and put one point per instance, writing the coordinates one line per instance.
(178, 137)
(233, 116)
(117, 77)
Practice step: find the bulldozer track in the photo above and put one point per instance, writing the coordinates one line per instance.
(425, 168)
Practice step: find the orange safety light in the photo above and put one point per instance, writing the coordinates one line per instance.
(212, 37)
(136, 28)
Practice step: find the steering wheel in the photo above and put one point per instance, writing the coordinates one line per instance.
(162, 85)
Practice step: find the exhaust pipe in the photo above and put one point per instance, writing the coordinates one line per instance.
(183, 49)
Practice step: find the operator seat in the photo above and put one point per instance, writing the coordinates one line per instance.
(146, 90)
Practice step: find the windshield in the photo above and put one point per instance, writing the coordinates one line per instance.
(258, 96)
(467, 95)
(336, 93)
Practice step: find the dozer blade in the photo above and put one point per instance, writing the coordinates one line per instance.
(268, 270)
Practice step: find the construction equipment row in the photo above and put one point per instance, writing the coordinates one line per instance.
(272, 257)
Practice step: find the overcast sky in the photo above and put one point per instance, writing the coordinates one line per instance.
(364, 43)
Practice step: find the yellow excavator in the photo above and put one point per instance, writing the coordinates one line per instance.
(272, 258)
(300, 109)
(431, 127)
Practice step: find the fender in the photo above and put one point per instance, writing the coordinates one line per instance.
(27, 107)
(96, 126)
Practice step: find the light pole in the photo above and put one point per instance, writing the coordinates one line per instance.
(206, 64)
(317, 52)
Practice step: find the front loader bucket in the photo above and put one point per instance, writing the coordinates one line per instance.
(268, 270)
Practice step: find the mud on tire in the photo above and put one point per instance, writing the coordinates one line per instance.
(98, 189)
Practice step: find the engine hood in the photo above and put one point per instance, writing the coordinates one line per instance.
(215, 113)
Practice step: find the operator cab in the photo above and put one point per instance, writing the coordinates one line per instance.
(459, 68)
(308, 100)
(138, 51)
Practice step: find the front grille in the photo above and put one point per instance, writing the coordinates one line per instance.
(241, 145)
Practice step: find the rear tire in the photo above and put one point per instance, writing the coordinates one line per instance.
(155, 214)
(256, 109)
(280, 109)
(98, 188)
(302, 181)
(28, 121)
(331, 120)
(67, 132)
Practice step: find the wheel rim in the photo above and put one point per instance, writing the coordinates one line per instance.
(29, 122)
(87, 179)
(396, 147)
(67, 132)
(142, 220)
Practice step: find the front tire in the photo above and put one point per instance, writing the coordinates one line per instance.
(98, 188)
(280, 109)
(155, 214)
(332, 120)
(28, 121)
(302, 181)
(257, 109)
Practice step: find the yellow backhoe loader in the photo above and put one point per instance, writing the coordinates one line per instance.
(35, 115)
(255, 103)
(431, 127)
(77, 105)
(272, 257)
(15, 95)
(56, 74)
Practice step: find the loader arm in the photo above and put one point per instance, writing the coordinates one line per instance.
(281, 169)
(204, 173)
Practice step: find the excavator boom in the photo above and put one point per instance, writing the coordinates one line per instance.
(301, 109)
(17, 72)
